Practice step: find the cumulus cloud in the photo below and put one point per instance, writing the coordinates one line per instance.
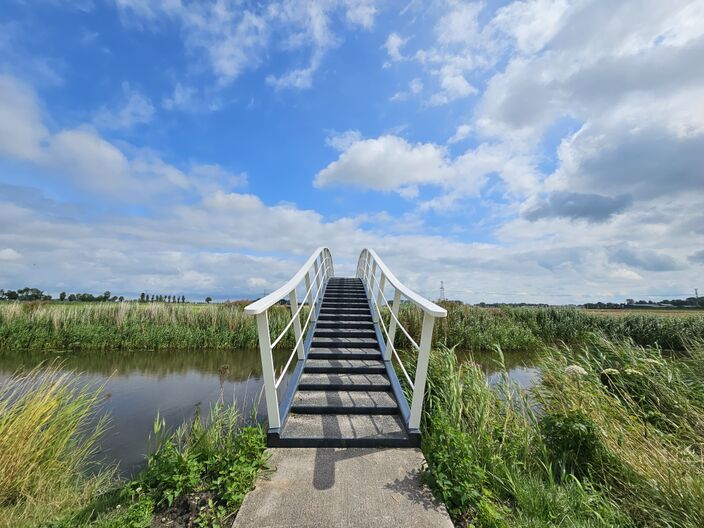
(697, 257)
(645, 259)
(577, 206)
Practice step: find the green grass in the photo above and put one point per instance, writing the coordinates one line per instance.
(48, 437)
(132, 326)
(151, 326)
(611, 436)
(529, 329)
(200, 474)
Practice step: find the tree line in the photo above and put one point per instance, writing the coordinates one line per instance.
(35, 294)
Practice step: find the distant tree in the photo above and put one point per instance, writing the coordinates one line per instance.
(153, 297)
(183, 298)
(113, 298)
(62, 296)
(121, 298)
(208, 300)
(168, 298)
(72, 297)
(106, 295)
(142, 297)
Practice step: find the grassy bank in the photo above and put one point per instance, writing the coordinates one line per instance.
(131, 326)
(48, 437)
(49, 429)
(612, 436)
(151, 326)
(529, 329)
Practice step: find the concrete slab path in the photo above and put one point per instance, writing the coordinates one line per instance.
(342, 488)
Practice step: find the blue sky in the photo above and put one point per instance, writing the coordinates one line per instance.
(536, 150)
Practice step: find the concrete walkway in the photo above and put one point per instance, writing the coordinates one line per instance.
(350, 488)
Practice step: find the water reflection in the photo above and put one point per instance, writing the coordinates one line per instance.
(520, 367)
(139, 385)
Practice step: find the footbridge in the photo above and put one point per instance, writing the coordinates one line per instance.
(344, 390)
(342, 434)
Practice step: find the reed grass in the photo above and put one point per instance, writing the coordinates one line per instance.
(611, 436)
(132, 326)
(48, 440)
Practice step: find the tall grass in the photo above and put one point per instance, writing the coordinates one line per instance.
(198, 475)
(132, 326)
(611, 436)
(48, 437)
(529, 329)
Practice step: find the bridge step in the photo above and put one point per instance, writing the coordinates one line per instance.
(344, 342)
(345, 324)
(344, 430)
(344, 402)
(345, 332)
(344, 353)
(350, 366)
(346, 317)
(349, 382)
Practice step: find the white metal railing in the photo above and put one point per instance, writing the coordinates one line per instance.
(314, 274)
(369, 266)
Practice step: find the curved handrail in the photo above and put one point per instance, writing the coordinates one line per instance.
(319, 265)
(368, 265)
(268, 301)
(427, 306)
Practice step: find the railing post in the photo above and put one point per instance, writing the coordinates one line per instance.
(296, 324)
(392, 325)
(421, 371)
(316, 267)
(309, 292)
(272, 400)
(379, 296)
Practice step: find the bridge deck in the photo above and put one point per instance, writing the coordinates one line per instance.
(347, 395)
(350, 488)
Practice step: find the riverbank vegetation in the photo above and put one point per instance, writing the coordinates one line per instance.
(151, 326)
(612, 435)
(49, 474)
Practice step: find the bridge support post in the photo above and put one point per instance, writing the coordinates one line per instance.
(272, 400)
(392, 325)
(296, 324)
(421, 371)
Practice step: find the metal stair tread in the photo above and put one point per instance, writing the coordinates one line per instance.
(344, 426)
(345, 381)
(344, 402)
(345, 363)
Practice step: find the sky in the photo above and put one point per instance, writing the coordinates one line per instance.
(526, 151)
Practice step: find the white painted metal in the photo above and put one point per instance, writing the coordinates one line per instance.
(421, 371)
(272, 399)
(296, 323)
(367, 266)
(320, 262)
(392, 325)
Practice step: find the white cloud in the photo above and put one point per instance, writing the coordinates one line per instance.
(82, 157)
(461, 133)
(387, 163)
(236, 38)
(343, 140)
(21, 129)
(393, 45)
(135, 109)
(414, 88)
(182, 98)
(9, 254)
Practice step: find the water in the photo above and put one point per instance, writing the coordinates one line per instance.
(174, 384)
(520, 367)
(136, 386)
